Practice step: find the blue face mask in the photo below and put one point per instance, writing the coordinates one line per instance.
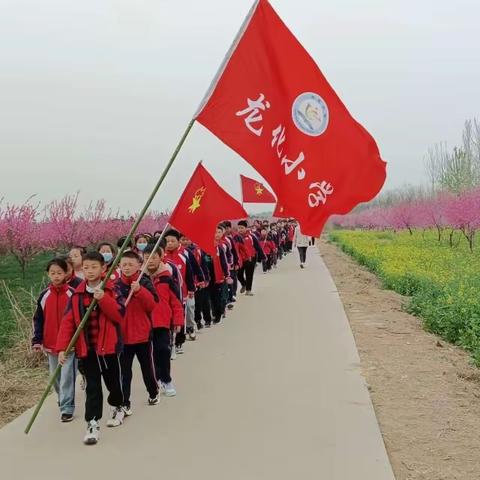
(141, 246)
(107, 256)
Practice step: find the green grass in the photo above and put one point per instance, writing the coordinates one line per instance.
(34, 281)
(443, 282)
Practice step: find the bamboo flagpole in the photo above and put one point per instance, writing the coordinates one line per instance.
(114, 264)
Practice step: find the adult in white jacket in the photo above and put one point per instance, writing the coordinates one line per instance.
(302, 242)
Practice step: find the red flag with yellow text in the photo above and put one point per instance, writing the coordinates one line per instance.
(272, 105)
(202, 206)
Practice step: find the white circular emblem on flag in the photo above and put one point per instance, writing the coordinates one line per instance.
(310, 114)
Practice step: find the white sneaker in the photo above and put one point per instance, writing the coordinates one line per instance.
(173, 354)
(179, 349)
(249, 294)
(154, 401)
(93, 432)
(127, 411)
(116, 418)
(168, 389)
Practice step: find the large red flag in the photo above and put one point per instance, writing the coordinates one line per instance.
(202, 206)
(273, 106)
(255, 192)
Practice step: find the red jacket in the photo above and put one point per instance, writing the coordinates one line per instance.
(168, 311)
(249, 246)
(137, 325)
(291, 233)
(51, 306)
(267, 245)
(220, 265)
(179, 259)
(110, 319)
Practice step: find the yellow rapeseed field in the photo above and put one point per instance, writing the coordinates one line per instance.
(443, 281)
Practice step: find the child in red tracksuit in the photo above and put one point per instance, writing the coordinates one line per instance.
(137, 327)
(98, 346)
(268, 247)
(51, 306)
(168, 315)
(219, 276)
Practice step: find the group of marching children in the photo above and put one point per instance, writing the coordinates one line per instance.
(147, 317)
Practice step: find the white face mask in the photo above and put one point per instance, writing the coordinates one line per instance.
(107, 256)
(141, 246)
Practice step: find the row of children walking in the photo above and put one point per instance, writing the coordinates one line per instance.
(148, 317)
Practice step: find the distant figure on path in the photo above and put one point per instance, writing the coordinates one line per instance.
(302, 242)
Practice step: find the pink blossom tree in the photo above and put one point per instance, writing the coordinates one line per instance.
(21, 233)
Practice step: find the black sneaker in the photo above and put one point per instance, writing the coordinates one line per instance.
(216, 321)
(66, 417)
(208, 325)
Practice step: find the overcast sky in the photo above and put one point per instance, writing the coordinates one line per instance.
(95, 94)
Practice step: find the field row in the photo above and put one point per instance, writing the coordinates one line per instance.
(443, 282)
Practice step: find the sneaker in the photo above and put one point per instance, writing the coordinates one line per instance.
(116, 418)
(173, 354)
(208, 325)
(168, 389)
(66, 417)
(154, 401)
(192, 336)
(93, 432)
(179, 349)
(250, 294)
(301, 265)
(230, 306)
(243, 290)
(199, 325)
(216, 321)
(127, 411)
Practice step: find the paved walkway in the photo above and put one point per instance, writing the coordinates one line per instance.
(274, 393)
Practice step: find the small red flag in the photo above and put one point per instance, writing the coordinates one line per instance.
(272, 105)
(280, 212)
(202, 206)
(255, 192)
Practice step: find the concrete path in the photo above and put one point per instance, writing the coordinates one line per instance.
(273, 393)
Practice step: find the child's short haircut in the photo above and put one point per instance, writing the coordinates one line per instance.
(59, 262)
(172, 233)
(94, 257)
(131, 254)
(107, 244)
(67, 259)
(221, 226)
(243, 223)
(227, 224)
(121, 241)
(143, 235)
(150, 246)
(82, 250)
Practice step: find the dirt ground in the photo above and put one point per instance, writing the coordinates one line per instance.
(23, 378)
(425, 392)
